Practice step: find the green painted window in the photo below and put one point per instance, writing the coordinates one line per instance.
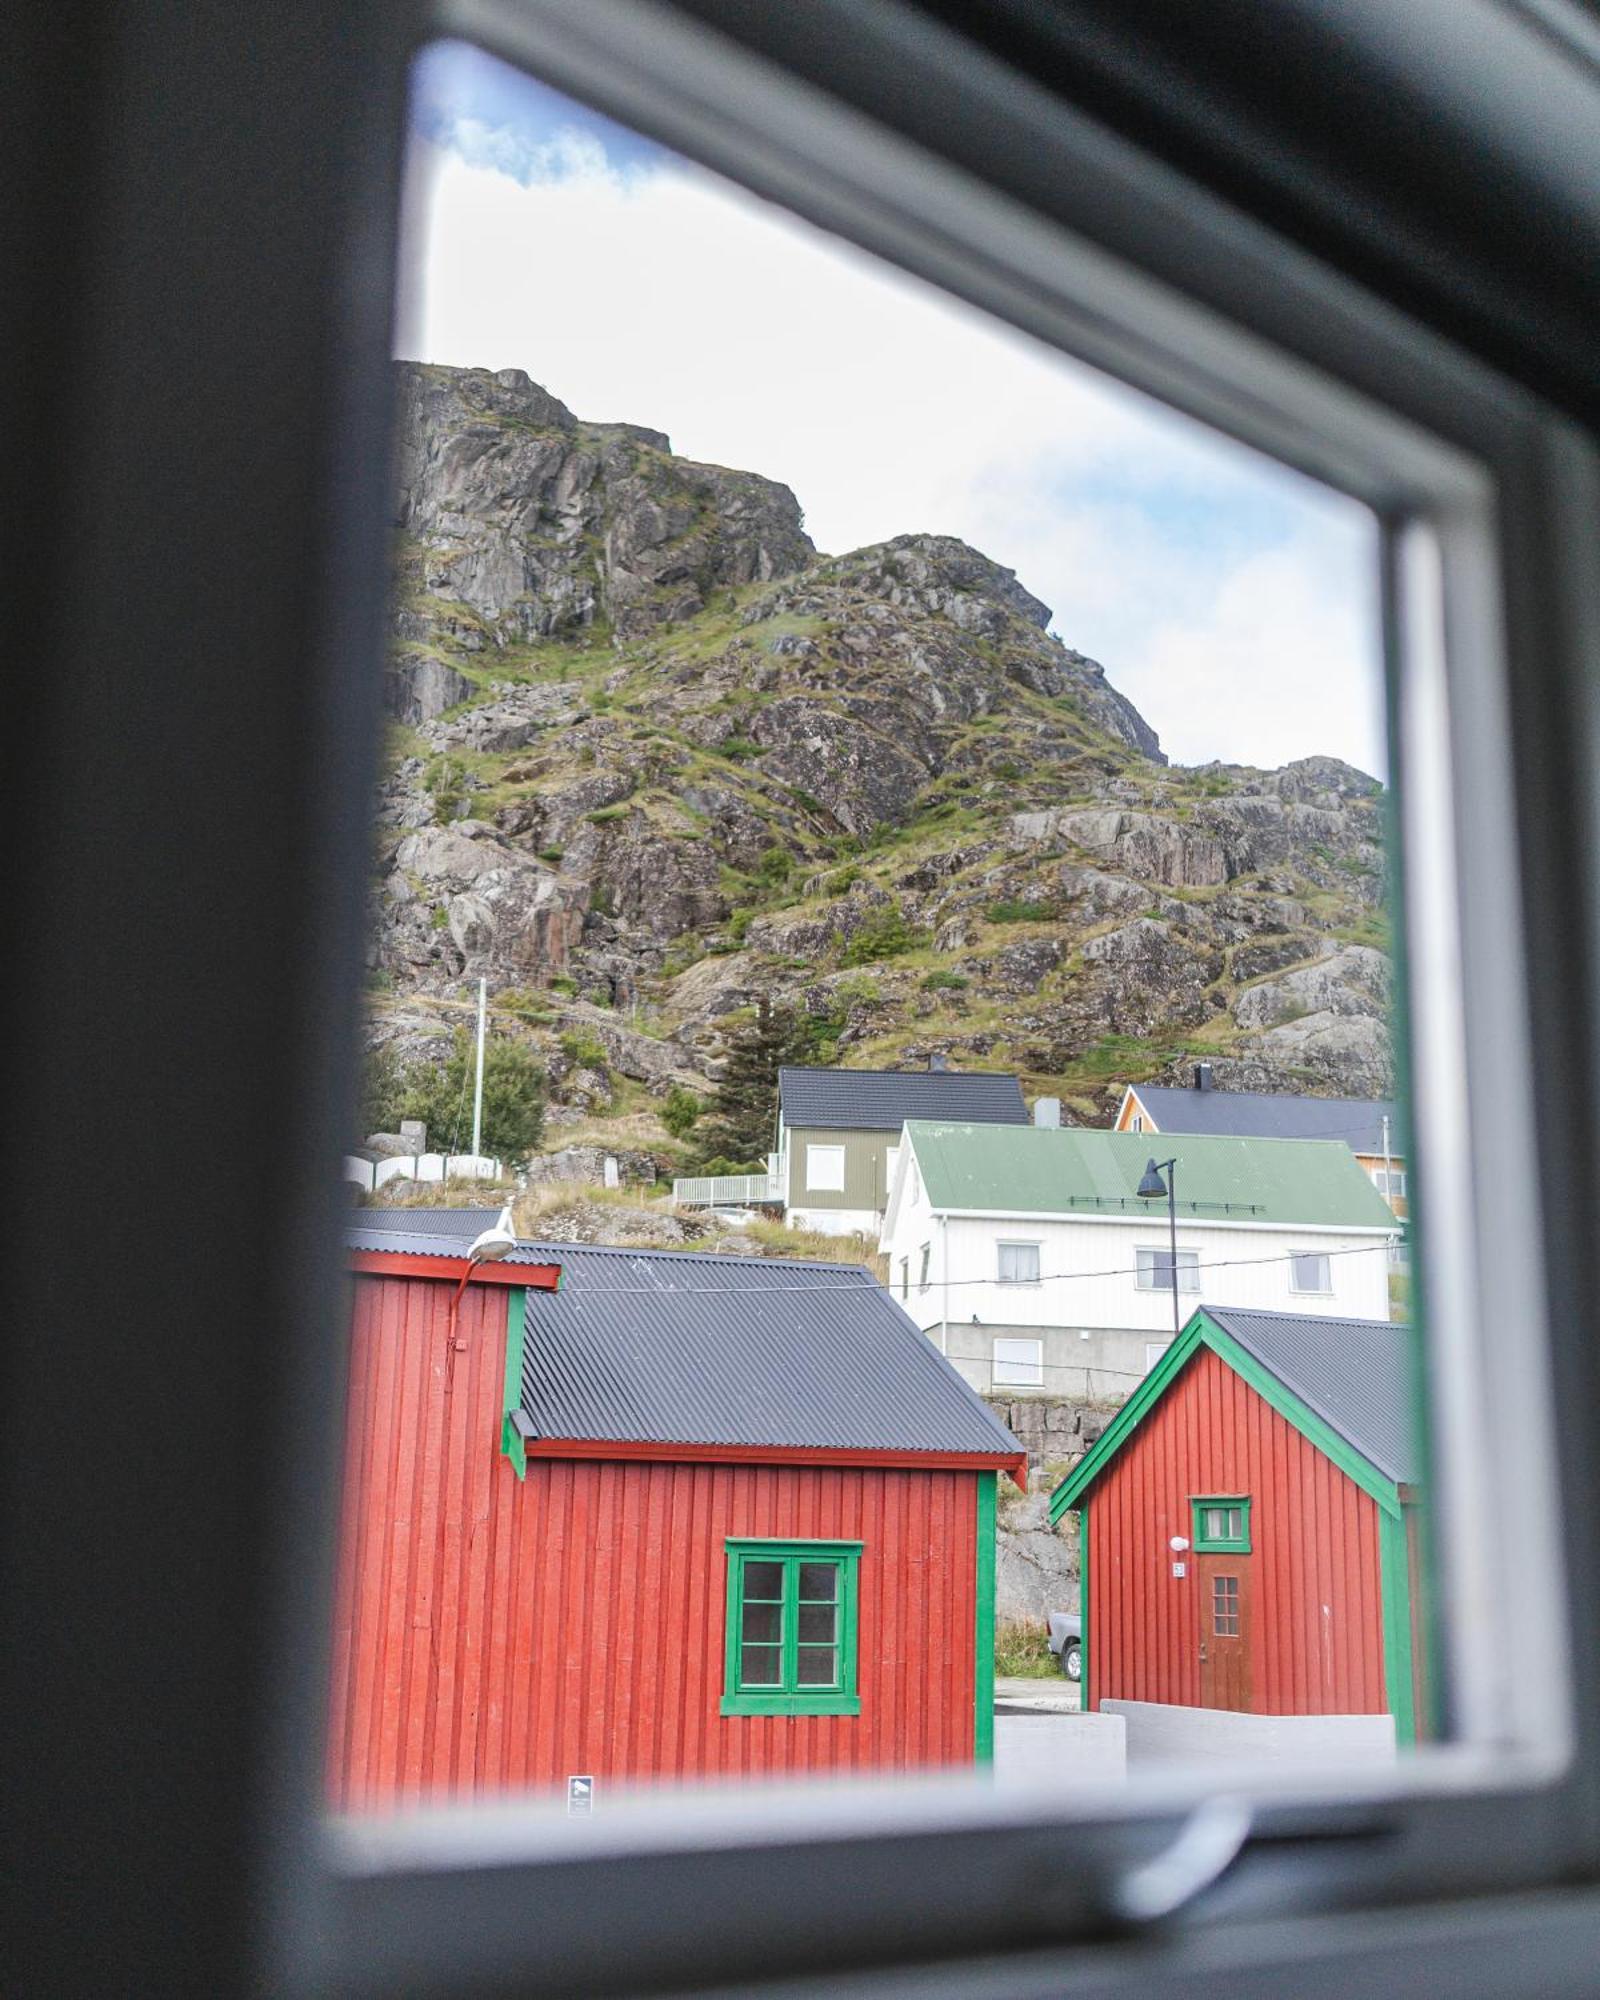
(791, 1643)
(1221, 1524)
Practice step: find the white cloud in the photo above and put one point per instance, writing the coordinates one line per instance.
(1230, 599)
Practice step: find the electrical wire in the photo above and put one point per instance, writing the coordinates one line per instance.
(952, 1284)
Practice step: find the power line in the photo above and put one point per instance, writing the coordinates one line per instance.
(952, 1284)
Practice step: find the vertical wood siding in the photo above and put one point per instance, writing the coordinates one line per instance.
(495, 1635)
(1316, 1643)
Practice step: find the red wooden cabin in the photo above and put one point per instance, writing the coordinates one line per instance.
(1246, 1524)
(686, 1516)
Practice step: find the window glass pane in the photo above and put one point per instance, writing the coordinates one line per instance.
(763, 1579)
(817, 1624)
(761, 1666)
(700, 805)
(819, 1582)
(762, 1623)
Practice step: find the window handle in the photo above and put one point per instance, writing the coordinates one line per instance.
(1207, 1845)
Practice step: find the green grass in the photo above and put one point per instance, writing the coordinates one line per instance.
(1022, 1650)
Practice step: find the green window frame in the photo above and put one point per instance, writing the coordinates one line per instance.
(1228, 1537)
(791, 1630)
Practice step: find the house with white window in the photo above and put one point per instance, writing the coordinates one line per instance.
(1030, 1257)
(839, 1130)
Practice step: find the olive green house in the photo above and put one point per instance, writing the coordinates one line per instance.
(839, 1134)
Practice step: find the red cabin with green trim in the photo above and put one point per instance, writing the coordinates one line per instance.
(1247, 1525)
(637, 1517)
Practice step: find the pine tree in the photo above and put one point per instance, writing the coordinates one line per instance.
(739, 1126)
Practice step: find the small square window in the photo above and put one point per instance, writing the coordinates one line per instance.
(1221, 1523)
(1018, 1263)
(1310, 1271)
(825, 1169)
(791, 1646)
(1019, 1362)
(1155, 1270)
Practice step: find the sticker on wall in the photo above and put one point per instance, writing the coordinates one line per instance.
(580, 1795)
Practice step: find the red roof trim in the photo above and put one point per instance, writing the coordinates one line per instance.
(1016, 1463)
(450, 1270)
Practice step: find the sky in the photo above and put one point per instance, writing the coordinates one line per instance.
(1233, 601)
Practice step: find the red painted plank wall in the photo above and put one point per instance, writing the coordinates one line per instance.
(493, 1635)
(1317, 1630)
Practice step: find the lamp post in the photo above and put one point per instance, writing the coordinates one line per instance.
(1152, 1188)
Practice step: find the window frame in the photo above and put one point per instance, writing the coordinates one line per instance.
(1219, 1545)
(1240, 328)
(1033, 1381)
(437, 1910)
(1005, 1243)
(826, 1187)
(791, 1698)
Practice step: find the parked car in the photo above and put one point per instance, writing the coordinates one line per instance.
(1066, 1642)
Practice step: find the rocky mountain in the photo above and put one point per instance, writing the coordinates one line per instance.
(653, 757)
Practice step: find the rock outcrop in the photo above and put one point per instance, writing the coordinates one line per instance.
(656, 759)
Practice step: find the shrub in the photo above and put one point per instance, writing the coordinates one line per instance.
(513, 1098)
(680, 1111)
(1018, 910)
(606, 814)
(562, 984)
(944, 982)
(584, 1050)
(439, 917)
(602, 901)
(842, 880)
(552, 855)
(739, 748)
(739, 925)
(446, 778)
(774, 866)
(882, 933)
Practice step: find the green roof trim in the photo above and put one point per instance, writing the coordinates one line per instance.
(1038, 1170)
(1202, 1331)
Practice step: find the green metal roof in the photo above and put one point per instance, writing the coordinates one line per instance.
(1034, 1170)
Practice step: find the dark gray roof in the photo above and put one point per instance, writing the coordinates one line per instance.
(1355, 1373)
(881, 1100)
(467, 1222)
(680, 1347)
(1249, 1114)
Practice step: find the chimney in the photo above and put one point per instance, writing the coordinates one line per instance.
(938, 1064)
(1202, 1077)
(1047, 1113)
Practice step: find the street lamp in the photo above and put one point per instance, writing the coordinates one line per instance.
(1152, 1188)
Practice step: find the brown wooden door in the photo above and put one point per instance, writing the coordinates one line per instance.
(1224, 1592)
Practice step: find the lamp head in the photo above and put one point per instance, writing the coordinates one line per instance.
(1152, 1187)
(497, 1241)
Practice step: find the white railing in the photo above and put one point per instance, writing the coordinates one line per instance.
(726, 1190)
(374, 1174)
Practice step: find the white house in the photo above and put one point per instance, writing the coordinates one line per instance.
(1029, 1256)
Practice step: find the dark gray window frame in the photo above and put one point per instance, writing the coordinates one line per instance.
(246, 269)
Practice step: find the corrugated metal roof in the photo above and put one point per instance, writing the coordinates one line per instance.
(1246, 1114)
(466, 1222)
(685, 1347)
(881, 1100)
(1355, 1373)
(1073, 1171)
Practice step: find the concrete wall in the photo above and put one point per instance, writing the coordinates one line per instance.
(1163, 1733)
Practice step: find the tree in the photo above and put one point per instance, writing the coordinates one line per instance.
(680, 1111)
(513, 1098)
(382, 1088)
(740, 1122)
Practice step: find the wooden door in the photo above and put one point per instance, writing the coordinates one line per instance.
(1224, 1593)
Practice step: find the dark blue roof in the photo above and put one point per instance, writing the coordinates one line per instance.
(1249, 1114)
(1355, 1373)
(685, 1347)
(881, 1100)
